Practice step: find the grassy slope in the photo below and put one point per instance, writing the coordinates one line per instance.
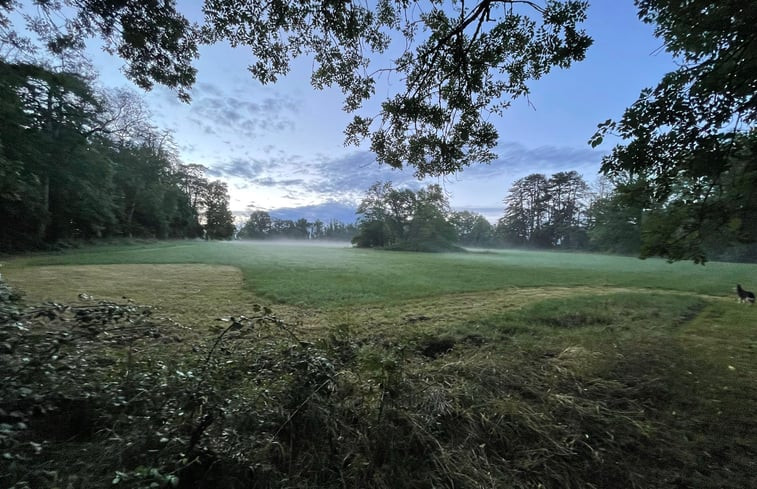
(652, 359)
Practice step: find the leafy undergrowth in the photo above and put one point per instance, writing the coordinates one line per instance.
(92, 394)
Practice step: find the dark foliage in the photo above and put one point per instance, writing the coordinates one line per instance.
(546, 212)
(456, 63)
(77, 164)
(689, 142)
(396, 219)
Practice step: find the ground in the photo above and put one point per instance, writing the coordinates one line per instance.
(609, 360)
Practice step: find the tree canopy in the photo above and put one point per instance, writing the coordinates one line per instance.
(690, 141)
(456, 63)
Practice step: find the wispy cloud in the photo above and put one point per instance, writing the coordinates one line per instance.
(205, 89)
(355, 172)
(516, 160)
(482, 188)
(249, 114)
(344, 179)
(242, 168)
(275, 182)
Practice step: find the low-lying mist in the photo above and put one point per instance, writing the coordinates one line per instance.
(295, 242)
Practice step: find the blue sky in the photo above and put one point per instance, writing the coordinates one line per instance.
(281, 146)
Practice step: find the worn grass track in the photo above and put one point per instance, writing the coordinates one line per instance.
(197, 294)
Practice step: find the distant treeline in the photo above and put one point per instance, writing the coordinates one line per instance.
(540, 212)
(260, 225)
(81, 163)
(559, 212)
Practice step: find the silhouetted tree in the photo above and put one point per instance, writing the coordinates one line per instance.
(258, 226)
(526, 212)
(566, 225)
(219, 223)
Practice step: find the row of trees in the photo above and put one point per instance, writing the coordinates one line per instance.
(79, 163)
(561, 211)
(540, 212)
(547, 212)
(686, 157)
(556, 212)
(260, 225)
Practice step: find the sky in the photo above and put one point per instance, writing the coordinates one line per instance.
(280, 147)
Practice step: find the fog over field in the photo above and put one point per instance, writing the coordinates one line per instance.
(321, 243)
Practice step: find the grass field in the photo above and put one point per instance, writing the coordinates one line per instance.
(197, 282)
(643, 369)
(332, 276)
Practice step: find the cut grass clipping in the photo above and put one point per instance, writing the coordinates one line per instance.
(93, 395)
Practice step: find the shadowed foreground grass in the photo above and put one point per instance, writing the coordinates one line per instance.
(527, 370)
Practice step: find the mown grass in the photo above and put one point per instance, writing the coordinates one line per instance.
(326, 277)
(506, 368)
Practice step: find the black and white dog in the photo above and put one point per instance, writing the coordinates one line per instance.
(744, 295)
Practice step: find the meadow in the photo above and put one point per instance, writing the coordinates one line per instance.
(332, 276)
(492, 368)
